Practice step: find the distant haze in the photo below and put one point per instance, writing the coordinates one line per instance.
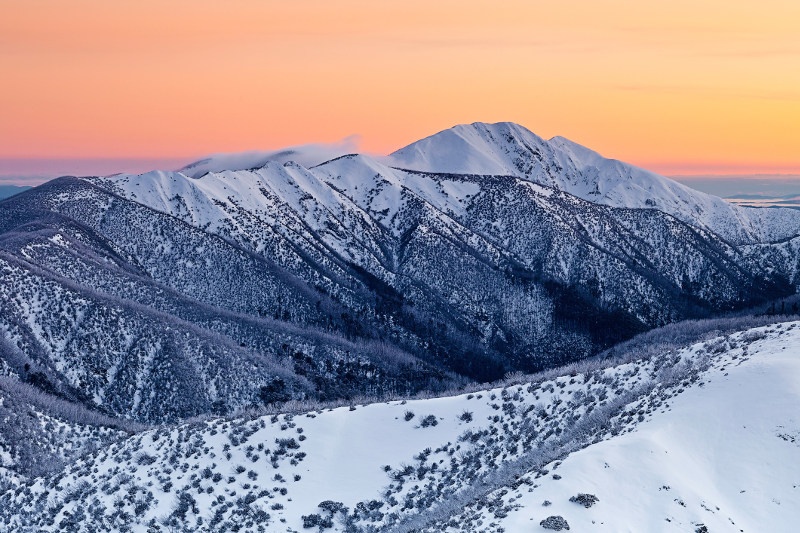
(32, 171)
(761, 190)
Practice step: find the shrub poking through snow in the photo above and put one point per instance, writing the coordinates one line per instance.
(311, 520)
(556, 523)
(587, 500)
(429, 420)
(332, 507)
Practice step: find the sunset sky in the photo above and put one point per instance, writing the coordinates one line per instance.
(679, 87)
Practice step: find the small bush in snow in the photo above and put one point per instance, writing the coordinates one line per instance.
(429, 420)
(587, 500)
(311, 520)
(556, 523)
(145, 459)
(332, 506)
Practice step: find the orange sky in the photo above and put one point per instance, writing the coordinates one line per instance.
(679, 87)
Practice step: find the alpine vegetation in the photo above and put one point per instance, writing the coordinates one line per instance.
(587, 443)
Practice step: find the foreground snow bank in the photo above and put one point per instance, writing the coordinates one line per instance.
(723, 455)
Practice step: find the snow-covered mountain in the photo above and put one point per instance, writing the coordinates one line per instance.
(475, 252)
(135, 307)
(510, 149)
(702, 437)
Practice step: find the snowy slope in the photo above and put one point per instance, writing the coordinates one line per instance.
(708, 435)
(509, 149)
(724, 454)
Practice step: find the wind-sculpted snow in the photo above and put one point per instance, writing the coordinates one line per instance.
(607, 446)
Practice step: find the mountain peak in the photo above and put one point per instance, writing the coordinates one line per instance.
(477, 148)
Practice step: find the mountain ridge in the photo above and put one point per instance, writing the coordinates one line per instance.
(390, 277)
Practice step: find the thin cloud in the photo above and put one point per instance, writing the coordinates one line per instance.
(23, 180)
(307, 155)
